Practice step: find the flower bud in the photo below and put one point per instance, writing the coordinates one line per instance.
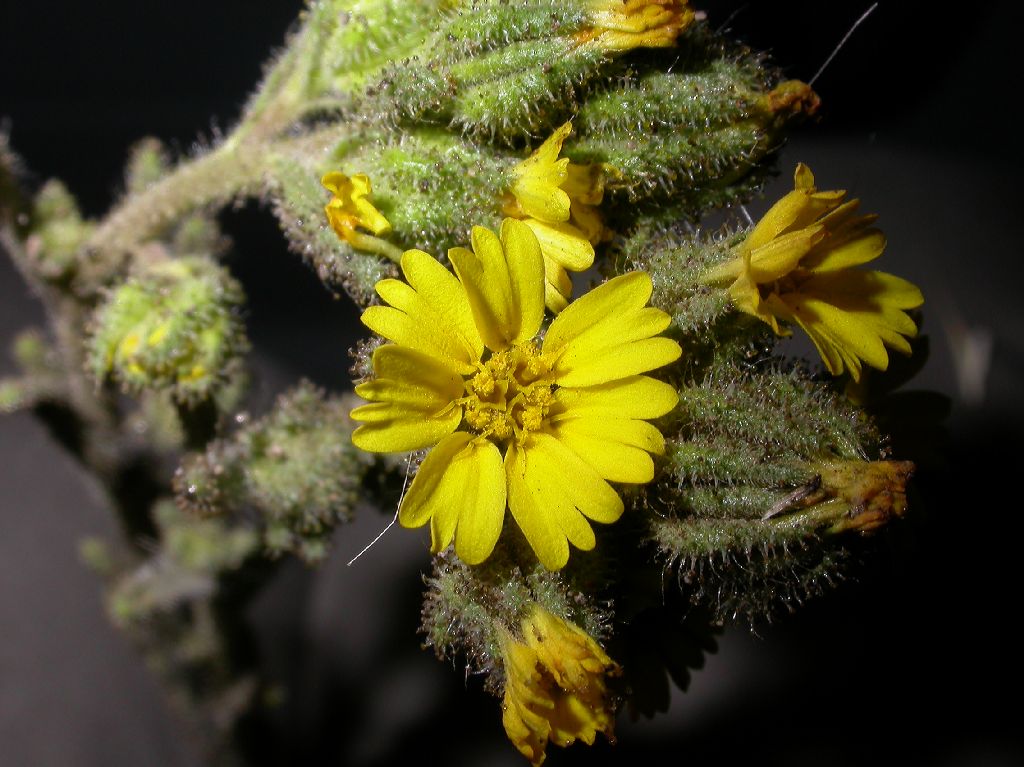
(296, 468)
(174, 325)
(58, 232)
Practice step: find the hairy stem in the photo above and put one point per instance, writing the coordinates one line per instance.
(229, 171)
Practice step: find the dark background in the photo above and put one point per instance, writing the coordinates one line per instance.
(915, 661)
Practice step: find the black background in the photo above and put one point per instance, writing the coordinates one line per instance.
(916, 661)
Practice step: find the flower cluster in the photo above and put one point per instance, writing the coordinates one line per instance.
(797, 265)
(537, 426)
(555, 686)
(558, 200)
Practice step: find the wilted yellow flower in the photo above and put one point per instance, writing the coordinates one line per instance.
(558, 200)
(349, 209)
(539, 427)
(622, 25)
(554, 686)
(796, 265)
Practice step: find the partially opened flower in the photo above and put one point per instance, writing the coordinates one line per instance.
(622, 25)
(558, 200)
(536, 426)
(797, 265)
(555, 685)
(349, 209)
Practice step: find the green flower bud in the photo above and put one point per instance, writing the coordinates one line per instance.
(430, 186)
(32, 353)
(198, 234)
(688, 137)
(296, 467)
(147, 164)
(42, 378)
(433, 186)
(204, 546)
(58, 232)
(13, 395)
(509, 70)
(765, 469)
(173, 326)
(182, 573)
(369, 35)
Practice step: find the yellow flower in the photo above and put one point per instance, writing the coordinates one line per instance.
(554, 686)
(622, 25)
(796, 265)
(349, 209)
(558, 200)
(539, 427)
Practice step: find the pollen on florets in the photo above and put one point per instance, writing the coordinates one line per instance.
(509, 396)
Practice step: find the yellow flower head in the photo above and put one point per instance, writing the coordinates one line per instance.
(558, 200)
(797, 265)
(535, 426)
(554, 686)
(622, 25)
(349, 209)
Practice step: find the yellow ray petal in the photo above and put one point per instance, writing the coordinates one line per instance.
(551, 461)
(478, 489)
(349, 206)
(797, 209)
(895, 291)
(833, 256)
(554, 299)
(484, 274)
(724, 273)
(587, 219)
(460, 490)
(606, 334)
(542, 532)
(622, 294)
(431, 487)
(400, 363)
(629, 397)
(557, 286)
(627, 431)
(503, 279)
(411, 396)
(526, 273)
(538, 178)
(443, 291)
(551, 496)
(614, 362)
(846, 331)
(413, 322)
(778, 257)
(585, 183)
(613, 461)
(857, 290)
(541, 198)
(390, 428)
(564, 244)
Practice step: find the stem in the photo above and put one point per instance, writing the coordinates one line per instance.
(231, 170)
(370, 244)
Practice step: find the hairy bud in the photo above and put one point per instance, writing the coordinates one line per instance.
(173, 325)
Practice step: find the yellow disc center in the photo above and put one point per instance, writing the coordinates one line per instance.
(509, 395)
